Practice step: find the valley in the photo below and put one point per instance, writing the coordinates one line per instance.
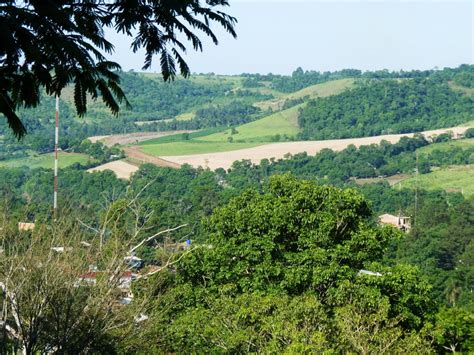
(224, 185)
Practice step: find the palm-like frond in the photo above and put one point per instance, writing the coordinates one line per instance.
(52, 44)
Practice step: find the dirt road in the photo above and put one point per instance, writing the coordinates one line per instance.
(136, 154)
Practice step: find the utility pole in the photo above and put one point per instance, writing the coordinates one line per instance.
(56, 147)
(416, 189)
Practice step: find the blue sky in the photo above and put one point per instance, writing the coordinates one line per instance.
(279, 35)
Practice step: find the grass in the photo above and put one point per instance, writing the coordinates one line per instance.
(46, 160)
(462, 89)
(458, 143)
(453, 179)
(180, 137)
(329, 88)
(193, 147)
(263, 130)
(185, 116)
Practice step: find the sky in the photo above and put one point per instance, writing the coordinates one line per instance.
(277, 36)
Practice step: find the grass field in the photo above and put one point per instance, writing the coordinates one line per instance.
(459, 143)
(47, 160)
(262, 130)
(329, 88)
(193, 147)
(453, 179)
(180, 137)
(185, 116)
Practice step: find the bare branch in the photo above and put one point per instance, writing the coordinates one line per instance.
(154, 236)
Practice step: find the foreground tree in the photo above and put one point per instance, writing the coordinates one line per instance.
(51, 44)
(293, 269)
(69, 287)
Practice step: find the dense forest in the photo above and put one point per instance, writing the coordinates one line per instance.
(289, 265)
(385, 107)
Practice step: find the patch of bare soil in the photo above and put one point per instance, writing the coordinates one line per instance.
(122, 169)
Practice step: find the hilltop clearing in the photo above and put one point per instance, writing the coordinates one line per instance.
(312, 92)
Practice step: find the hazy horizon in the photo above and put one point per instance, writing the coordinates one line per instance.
(278, 36)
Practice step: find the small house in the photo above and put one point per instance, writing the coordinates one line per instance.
(400, 222)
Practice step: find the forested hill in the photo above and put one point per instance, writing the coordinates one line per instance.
(379, 102)
(385, 107)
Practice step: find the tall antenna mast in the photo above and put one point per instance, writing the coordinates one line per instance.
(56, 147)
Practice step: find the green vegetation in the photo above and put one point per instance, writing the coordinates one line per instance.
(458, 143)
(280, 278)
(180, 137)
(41, 56)
(298, 80)
(286, 252)
(276, 127)
(333, 87)
(206, 101)
(193, 147)
(277, 263)
(282, 123)
(329, 88)
(452, 179)
(47, 160)
(384, 107)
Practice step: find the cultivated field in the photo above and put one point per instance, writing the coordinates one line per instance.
(191, 147)
(279, 150)
(122, 169)
(47, 160)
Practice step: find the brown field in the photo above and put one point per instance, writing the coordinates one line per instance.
(122, 169)
(279, 150)
(130, 138)
(136, 155)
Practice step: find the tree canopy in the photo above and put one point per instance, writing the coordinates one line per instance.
(51, 44)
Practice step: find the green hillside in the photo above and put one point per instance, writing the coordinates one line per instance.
(263, 130)
(465, 143)
(329, 88)
(377, 107)
(452, 179)
(47, 160)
